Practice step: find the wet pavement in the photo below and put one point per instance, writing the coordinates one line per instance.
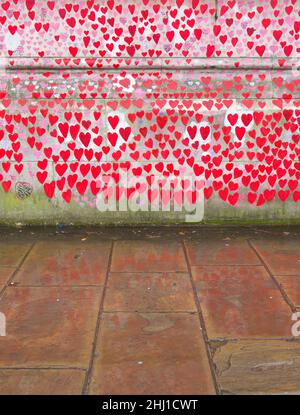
(174, 310)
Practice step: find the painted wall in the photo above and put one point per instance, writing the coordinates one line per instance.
(149, 105)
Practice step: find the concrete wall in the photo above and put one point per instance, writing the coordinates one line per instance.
(187, 106)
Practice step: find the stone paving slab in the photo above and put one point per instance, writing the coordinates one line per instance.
(48, 327)
(241, 301)
(218, 252)
(60, 263)
(12, 254)
(41, 382)
(258, 367)
(148, 256)
(167, 291)
(282, 256)
(151, 354)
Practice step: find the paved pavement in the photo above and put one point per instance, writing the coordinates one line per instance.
(150, 311)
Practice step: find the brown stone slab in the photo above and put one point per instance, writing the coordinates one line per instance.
(291, 286)
(48, 327)
(148, 256)
(41, 382)
(241, 301)
(219, 252)
(65, 263)
(151, 354)
(5, 275)
(167, 291)
(282, 256)
(12, 253)
(258, 367)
